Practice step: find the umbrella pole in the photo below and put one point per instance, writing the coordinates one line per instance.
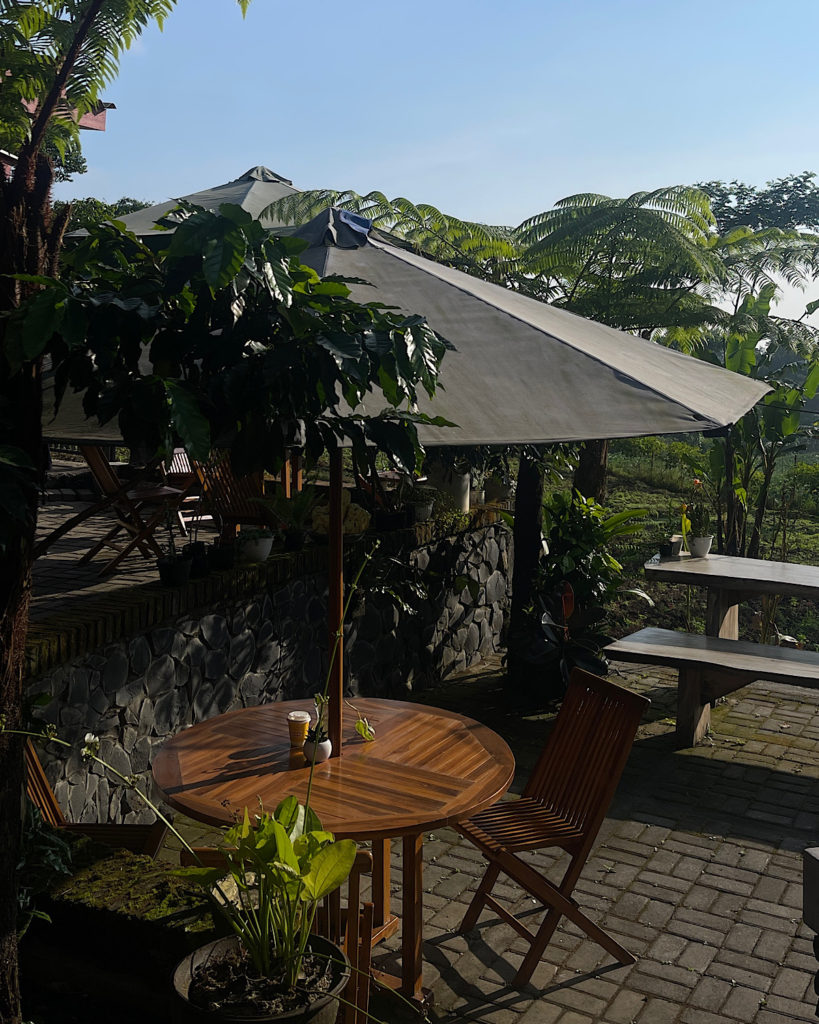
(335, 604)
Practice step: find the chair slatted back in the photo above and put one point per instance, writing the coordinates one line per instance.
(578, 771)
(39, 790)
(105, 477)
(229, 496)
(179, 470)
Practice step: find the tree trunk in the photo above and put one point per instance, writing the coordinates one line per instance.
(526, 547)
(29, 242)
(590, 475)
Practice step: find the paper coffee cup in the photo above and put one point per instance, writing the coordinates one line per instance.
(298, 722)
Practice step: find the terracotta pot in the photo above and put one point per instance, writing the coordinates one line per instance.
(322, 1010)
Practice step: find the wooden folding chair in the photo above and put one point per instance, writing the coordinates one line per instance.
(129, 517)
(229, 498)
(179, 473)
(349, 927)
(145, 839)
(563, 805)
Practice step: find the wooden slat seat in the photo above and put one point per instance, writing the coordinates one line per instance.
(710, 667)
(145, 839)
(523, 824)
(563, 805)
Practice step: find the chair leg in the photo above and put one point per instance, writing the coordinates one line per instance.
(559, 904)
(144, 536)
(479, 899)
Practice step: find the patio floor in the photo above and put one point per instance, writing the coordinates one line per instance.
(697, 869)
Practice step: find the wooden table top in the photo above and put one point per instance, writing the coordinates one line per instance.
(425, 768)
(748, 575)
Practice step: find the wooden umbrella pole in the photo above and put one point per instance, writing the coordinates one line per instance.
(335, 604)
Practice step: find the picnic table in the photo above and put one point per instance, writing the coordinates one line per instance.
(718, 663)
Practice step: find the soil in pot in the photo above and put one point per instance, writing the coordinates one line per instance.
(219, 979)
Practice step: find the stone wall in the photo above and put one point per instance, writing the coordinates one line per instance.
(137, 691)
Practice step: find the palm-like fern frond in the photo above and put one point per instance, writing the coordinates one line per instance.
(61, 53)
(464, 243)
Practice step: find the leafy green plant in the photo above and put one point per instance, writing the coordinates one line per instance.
(570, 636)
(295, 512)
(579, 532)
(282, 866)
(44, 856)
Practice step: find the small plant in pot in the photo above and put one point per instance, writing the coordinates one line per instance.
(174, 568)
(278, 867)
(422, 500)
(317, 746)
(293, 515)
(696, 523)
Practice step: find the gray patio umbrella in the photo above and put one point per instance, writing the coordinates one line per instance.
(253, 191)
(523, 371)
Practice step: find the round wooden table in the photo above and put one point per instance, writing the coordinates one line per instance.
(424, 769)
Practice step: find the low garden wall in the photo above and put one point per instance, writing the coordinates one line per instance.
(268, 643)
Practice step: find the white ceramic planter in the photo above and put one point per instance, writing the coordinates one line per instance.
(256, 550)
(700, 546)
(322, 750)
(456, 485)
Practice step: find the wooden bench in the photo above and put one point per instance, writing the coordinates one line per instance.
(711, 667)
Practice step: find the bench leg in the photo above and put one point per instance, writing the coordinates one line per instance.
(693, 713)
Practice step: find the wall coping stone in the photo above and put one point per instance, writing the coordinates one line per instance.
(67, 634)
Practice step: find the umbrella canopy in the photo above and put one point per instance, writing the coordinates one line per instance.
(523, 371)
(253, 191)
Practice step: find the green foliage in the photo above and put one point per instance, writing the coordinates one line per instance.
(789, 202)
(85, 213)
(282, 866)
(44, 857)
(225, 338)
(631, 263)
(579, 532)
(295, 512)
(475, 248)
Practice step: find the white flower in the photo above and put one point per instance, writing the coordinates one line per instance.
(91, 748)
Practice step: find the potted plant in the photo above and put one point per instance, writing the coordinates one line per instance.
(174, 569)
(317, 746)
(696, 520)
(293, 515)
(422, 500)
(279, 867)
(255, 545)
(448, 469)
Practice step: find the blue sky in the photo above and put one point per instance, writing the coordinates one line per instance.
(490, 111)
